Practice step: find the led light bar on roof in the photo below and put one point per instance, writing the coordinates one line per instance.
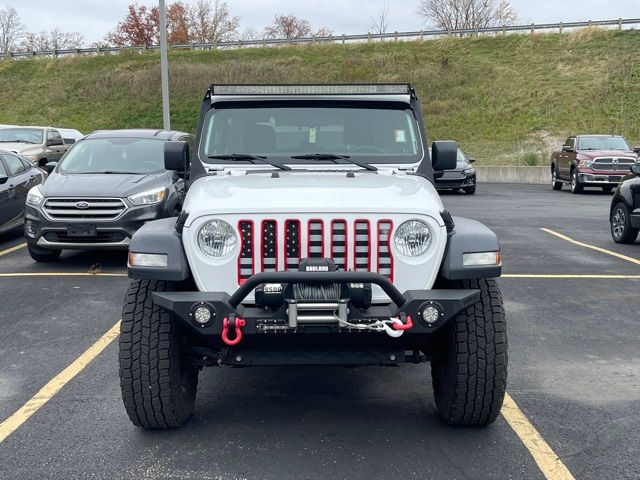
(366, 89)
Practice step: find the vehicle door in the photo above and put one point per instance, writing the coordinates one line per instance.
(15, 189)
(55, 146)
(566, 157)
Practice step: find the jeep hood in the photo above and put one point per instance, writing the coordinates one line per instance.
(100, 185)
(312, 192)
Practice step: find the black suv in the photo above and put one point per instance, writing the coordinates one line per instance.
(104, 188)
(625, 208)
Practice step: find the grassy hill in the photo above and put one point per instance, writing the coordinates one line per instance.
(506, 99)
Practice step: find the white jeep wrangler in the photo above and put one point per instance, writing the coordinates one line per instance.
(312, 234)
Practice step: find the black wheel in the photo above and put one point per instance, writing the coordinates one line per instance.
(43, 255)
(470, 190)
(576, 186)
(607, 189)
(555, 184)
(621, 229)
(470, 375)
(158, 385)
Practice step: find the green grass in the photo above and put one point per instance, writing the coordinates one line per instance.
(501, 97)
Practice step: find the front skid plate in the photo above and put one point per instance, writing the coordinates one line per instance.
(182, 304)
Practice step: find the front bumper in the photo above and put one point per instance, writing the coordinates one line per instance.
(590, 178)
(284, 328)
(109, 234)
(454, 182)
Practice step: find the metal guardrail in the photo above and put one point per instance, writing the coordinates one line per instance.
(340, 39)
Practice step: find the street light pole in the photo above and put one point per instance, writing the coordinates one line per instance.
(164, 67)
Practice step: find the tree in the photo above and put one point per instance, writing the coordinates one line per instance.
(380, 22)
(467, 14)
(11, 29)
(53, 40)
(178, 23)
(141, 26)
(291, 27)
(211, 22)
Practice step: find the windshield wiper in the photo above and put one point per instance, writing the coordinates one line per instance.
(250, 158)
(333, 156)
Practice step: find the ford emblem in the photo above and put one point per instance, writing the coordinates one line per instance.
(82, 205)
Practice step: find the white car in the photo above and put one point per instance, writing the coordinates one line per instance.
(312, 234)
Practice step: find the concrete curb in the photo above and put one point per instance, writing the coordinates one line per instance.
(533, 175)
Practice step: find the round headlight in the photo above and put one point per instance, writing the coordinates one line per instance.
(216, 238)
(413, 238)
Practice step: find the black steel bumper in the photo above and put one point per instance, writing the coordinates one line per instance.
(268, 322)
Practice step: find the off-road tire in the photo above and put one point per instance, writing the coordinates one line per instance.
(555, 184)
(158, 386)
(470, 190)
(621, 229)
(43, 255)
(470, 374)
(576, 186)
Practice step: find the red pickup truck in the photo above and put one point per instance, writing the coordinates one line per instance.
(592, 161)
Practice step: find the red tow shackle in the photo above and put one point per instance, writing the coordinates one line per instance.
(405, 326)
(238, 323)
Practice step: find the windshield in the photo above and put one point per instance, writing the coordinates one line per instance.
(376, 135)
(21, 135)
(603, 143)
(114, 155)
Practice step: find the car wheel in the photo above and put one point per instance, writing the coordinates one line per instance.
(576, 186)
(158, 384)
(470, 375)
(555, 184)
(607, 189)
(621, 229)
(43, 255)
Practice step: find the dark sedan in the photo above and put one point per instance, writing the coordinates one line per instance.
(17, 177)
(463, 177)
(624, 215)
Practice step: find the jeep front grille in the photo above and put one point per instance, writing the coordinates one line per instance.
(84, 208)
(612, 164)
(351, 245)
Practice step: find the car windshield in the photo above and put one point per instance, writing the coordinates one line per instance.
(603, 143)
(373, 134)
(115, 155)
(21, 135)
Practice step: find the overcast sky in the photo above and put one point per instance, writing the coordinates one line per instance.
(94, 18)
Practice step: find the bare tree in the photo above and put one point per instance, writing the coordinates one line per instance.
(291, 27)
(467, 14)
(380, 22)
(212, 22)
(53, 40)
(249, 33)
(11, 29)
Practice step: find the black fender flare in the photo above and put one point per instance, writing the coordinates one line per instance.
(160, 237)
(469, 236)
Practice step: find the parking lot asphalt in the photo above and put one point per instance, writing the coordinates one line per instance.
(574, 372)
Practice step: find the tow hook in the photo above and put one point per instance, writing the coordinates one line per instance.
(233, 323)
(404, 326)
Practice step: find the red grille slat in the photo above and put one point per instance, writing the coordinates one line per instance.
(385, 257)
(245, 259)
(315, 238)
(362, 245)
(339, 244)
(269, 252)
(293, 244)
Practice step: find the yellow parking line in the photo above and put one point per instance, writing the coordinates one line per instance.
(570, 276)
(12, 249)
(548, 462)
(55, 385)
(592, 247)
(61, 274)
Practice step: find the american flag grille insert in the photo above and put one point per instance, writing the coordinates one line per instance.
(269, 246)
(385, 259)
(316, 237)
(339, 244)
(362, 246)
(293, 247)
(245, 260)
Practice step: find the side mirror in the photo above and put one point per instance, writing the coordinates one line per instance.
(3, 179)
(49, 166)
(567, 148)
(472, 160)
(636, 149)
(635, 168)
(176, 156)
(444, 155)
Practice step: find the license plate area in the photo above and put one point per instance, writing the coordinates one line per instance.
(81, 230)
